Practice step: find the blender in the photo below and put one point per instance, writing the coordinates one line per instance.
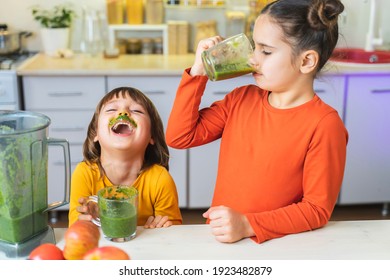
(24, 203)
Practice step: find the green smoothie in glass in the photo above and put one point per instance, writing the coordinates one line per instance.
(117, 212)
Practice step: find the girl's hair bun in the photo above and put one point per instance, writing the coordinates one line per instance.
(323, 14)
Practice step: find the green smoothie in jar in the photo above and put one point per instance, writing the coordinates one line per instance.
(229, 58)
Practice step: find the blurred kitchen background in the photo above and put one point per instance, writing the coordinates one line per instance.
(226, 14)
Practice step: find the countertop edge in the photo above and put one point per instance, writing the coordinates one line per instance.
(155, 65)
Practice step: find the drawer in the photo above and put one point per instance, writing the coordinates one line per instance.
(70, 125)
(8, 88)
(62, 92)
(149, 85)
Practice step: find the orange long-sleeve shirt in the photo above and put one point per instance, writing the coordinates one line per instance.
(282, 168)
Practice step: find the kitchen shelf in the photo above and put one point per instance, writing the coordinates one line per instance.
(136, 30)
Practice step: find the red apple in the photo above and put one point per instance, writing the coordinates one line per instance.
(106, 253)
(46, 251)
(80, 237)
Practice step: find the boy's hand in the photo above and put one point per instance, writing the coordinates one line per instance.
(228, 225)
(197, 68)
(86, 209)
(157, 222)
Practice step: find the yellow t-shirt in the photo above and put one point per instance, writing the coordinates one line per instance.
(157, 194)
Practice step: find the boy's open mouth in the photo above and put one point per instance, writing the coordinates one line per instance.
(122, 124)
(122, 128)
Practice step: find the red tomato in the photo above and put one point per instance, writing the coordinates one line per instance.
(46, 251)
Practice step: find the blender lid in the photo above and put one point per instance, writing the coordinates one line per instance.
(20, 122)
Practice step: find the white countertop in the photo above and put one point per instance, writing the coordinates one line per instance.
(346, 240)
(81, 64)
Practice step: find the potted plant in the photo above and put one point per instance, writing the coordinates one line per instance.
(55, 26)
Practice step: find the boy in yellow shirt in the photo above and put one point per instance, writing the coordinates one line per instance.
(125, 145)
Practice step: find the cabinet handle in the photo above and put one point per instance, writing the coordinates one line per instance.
(220, 92)
(154, 92)
(376, 91)
(320, 91)
(64, 129)
(65, 94)
(61, 163)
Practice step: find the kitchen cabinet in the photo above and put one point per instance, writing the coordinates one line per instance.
(203, 160)
(367, 176)
(70, 103)
(330, 88)
(161, 90)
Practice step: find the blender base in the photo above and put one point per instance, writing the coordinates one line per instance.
(23, 250)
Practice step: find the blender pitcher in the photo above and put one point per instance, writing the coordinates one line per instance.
(23, 176)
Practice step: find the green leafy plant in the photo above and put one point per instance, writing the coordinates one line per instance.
(60, 16)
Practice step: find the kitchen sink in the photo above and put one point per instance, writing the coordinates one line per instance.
(360, 56)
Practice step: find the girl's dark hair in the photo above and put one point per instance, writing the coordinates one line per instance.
(154, 154)
(308, 24)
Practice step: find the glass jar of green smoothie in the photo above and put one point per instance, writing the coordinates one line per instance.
(229, 58)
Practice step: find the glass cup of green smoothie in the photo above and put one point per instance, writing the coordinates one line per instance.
(117, 212)
(229, 58)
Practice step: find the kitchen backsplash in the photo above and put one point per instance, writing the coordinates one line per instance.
(353, 23)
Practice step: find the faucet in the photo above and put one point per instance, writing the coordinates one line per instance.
(371, 40)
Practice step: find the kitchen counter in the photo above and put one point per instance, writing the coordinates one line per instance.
(342, 240)
(80, 64)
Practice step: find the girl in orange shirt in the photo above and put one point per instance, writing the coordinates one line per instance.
(283, 150)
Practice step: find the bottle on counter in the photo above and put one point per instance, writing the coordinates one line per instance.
(115, 11)
(154, 12)
(135, 11)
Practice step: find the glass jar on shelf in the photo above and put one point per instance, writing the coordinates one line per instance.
(122, 45)
(133, 46)
(147, 46)
(115, 11)
(135, 11)
(173, 2)
(158, 45)
(154, 11)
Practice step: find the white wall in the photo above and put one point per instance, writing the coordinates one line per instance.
(17, 14)
(355, 23)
